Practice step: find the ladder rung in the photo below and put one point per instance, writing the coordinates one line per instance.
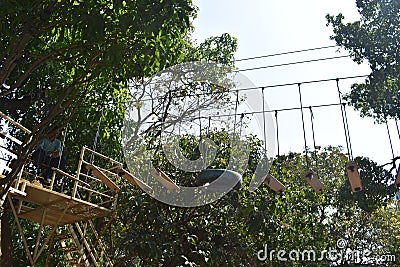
(64, 236)
(75, 261)
(69, 249)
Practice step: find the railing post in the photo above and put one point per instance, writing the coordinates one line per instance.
(78, 171)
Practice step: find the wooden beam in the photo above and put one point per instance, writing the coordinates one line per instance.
(20, 126)
(133, 180)
(10, 137)
(102, 156)
(274, 184)
(354, 177)
(164, 179)
(99, 174)
(312, 179)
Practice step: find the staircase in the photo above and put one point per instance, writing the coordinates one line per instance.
(82, 245)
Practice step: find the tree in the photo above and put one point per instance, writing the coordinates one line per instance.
(60, 56)
(232, 230)
(374, 38)
(70, 63)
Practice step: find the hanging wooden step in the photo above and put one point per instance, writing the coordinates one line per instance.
(100, 175)
(133, 180)
(274, 184)
(354, 177)
(312, 179)
(164, 179)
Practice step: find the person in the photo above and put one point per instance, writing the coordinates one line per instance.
(48, 154)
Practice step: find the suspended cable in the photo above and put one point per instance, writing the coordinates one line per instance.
(286, 53)
(264, 124)
(391, 144)
(96, 137)
(344, 120)
(233, 90)
(313, 135)
(278, 144)
(236, 108)
(292, 63)
(304, 128)
(257, 112)
(397, 127)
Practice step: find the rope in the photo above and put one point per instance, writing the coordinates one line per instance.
(292, 63)
(391, 144)
(398, 131)
(313, 135)
(286, 53)
(236, 108)
(96, 137)
(277, 140)
(348, 131)
(277, 131)
(264, 124)
(344, 120)
(304, 128)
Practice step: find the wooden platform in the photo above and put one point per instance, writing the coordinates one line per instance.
(57, 208)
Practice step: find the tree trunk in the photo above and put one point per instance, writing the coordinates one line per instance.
(6, 242)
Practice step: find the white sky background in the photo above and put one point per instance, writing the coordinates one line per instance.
(267, 27)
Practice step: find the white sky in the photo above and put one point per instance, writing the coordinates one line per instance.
(267, 27)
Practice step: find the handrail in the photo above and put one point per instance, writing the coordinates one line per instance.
(20, 126)
(69, 176)
(102, 156)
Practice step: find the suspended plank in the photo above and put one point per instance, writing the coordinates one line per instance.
(99, 174)
(133, 180)
(274, 184)
(312, 179)
(164, 179)
(354, 177)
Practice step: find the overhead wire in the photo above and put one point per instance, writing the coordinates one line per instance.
(345, 122)
(286, 53)
(187, 94)
(292, 63)
(304, 128)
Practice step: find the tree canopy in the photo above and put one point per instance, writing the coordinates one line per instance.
(375, 39)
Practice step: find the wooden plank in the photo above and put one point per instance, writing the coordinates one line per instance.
(274, 184)
(354, 177)
(164, 179)
(20, 126)
(69, 176)
(102, 156)
(312, 179)
(133, 180)
(54, 214)
(6, 151)
(10, 137)
(99, 174)
(5, 167)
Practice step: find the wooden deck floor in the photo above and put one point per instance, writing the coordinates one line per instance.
(55, 208)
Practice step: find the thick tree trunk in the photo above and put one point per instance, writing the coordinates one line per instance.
(6, 242)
